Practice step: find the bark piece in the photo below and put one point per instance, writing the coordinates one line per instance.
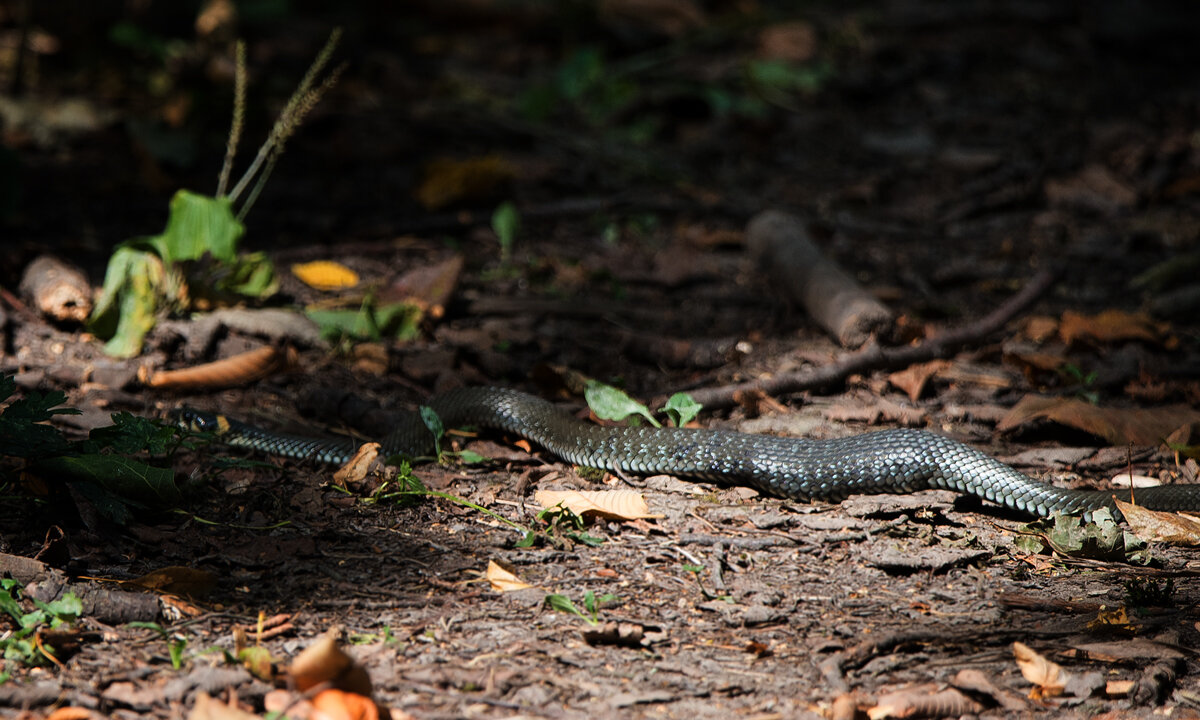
(829, 295)
(60, 291)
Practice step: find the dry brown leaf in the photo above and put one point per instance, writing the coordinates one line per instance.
(913, 379)
(428, 287)
(207, 708)
(177, 580)
(503, 580)
(1110, 326)
(789, 41)
(240, 369)
(1158, 526)
(1040, 328)
(325, 275)
(325, 661)
(448, 181)
(359, 466)
(924, 701)
(618, 504)
(341, 705)
(1048, 677)
(1118, 688)
(1132, 649)
(1119, 426)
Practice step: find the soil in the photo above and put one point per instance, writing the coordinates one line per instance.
(945, 155)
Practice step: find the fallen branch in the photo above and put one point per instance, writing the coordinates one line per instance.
(872, 357)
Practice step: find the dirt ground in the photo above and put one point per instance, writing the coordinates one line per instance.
(943, 154)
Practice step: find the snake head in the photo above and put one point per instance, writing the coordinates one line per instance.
(199, 421)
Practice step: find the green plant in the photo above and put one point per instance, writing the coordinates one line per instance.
(176, 643)
(506, 223)
(1085, 382)
(99, 468)
(195, 259)
(1146, 592)
(561, 522)
(24, 643)
(609, 403)
(591, 603)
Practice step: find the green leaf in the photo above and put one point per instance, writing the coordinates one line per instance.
(430, 417)
(468, 457)
(199, 225)
(506, 223)
(9, 604)
(682, 409)
(131, 434)
(562, 603)
(119, 475)
(252, 275)
(610, 403)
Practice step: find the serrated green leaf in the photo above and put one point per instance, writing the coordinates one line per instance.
(131, 434)
(610, 403)
(122, 476)
(682, 409)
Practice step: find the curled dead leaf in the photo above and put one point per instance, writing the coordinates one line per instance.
(1160, 526)
(240, 369)
(913, 379)
(1049, 677)
(503, 580)
(1110, 326)
(324, 661)
(359, 466)
(341, 705)
(177, 580)
(1120, 426)
(924, 701)
(618, 504)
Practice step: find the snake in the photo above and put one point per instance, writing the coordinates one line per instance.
(896, 461)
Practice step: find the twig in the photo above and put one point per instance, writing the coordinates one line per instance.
(872, 357)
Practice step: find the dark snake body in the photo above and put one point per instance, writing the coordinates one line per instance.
(888, 461)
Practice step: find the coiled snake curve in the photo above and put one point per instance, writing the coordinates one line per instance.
(886, 461)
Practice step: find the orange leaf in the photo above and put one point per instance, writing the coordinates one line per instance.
(340, 705)
(1109, 326)
(240, 369)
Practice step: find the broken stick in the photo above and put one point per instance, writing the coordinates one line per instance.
(829, 295)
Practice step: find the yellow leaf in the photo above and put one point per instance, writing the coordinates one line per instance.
(325, 275)
(619, 504)
(502, 580)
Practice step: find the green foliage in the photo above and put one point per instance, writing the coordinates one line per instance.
(196, 254)
(561, 522)
(149, 274)
(506, 223)
(434, 423)
(20, 645)
(591, 603)
(399, 321)
(176, 644)
(1147, 592)
(1084, 380)
(681, 408)
(1101, 538)
(609, 403)
(98, 468)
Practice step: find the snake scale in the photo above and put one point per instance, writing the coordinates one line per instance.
(886, 461)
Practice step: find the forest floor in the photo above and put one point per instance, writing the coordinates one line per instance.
(943, 155)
